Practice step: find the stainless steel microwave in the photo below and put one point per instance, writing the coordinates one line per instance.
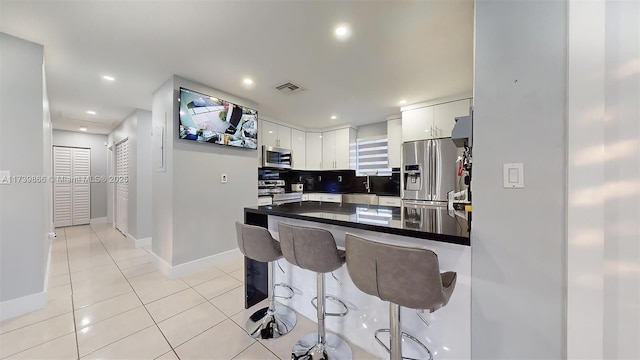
(276, 157)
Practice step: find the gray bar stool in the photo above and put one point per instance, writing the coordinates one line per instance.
(403, 276)
(315, 249)
(271, 322)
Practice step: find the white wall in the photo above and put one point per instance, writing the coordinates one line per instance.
(24, 219)
(194, 213)
(585, 146)
(136, 128)
(144, 193)
(372, 130)
(162, 120)
(603, 315)
(518, 237)
(621, 190)
(95, 142)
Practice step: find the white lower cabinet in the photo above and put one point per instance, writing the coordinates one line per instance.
(333, 198)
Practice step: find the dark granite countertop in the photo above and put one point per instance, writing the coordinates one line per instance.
(417, 221)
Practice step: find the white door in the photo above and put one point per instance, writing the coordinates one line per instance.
(122, 186)
(71, 186)
(81, 210)
(62, 191)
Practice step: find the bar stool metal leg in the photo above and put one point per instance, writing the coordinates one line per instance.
(273, 321)
(395, 332)
(320, 345)
(396, 335)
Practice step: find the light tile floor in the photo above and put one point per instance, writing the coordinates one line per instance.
(106, 300)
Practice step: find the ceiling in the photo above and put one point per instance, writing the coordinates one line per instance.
(413, 50)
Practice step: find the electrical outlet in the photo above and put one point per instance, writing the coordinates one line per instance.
(223, 178)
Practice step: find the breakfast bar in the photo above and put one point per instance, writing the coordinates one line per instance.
(431, 227)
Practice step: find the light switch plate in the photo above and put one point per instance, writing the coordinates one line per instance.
(5, 177)
(513, 176)
(223, 178)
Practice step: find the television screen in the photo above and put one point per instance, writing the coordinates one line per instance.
(207, 119)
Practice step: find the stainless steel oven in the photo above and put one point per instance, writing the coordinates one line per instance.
(276, 157)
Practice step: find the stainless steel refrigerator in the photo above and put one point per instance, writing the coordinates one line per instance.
(429, 170)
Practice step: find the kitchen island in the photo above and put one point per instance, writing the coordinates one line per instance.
(434, 228)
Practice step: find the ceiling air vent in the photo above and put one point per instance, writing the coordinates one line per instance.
(290, 88)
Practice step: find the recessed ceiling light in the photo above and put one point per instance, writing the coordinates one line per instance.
(333, 117)
(402, 102)
(342, 32)
(247, 81)
(83, 129)
(91, 112)
(108, 78)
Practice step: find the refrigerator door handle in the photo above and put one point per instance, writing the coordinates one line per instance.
(428, 176)
(437, 172)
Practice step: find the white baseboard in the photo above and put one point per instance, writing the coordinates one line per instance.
(180, 270)
(100, 220)
(138, 243)
(46, 273)
(22, 305)
(161, 264)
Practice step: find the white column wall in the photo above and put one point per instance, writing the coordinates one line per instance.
(193, 212)
(585, 178)
(25, 217)
(518, 236)
(603, 259)
(621, 189)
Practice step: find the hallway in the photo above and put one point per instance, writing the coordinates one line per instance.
(106, 300)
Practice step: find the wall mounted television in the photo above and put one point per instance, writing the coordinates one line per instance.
(208, 119)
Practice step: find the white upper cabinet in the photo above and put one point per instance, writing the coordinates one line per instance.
(432, 122)
(445, 116)
(417, 124)
(313, 153)
(276, 135)
(269, 133)
(284, 137)
(394, 142)
(329, 150)
(298, 149)
(338, 149)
